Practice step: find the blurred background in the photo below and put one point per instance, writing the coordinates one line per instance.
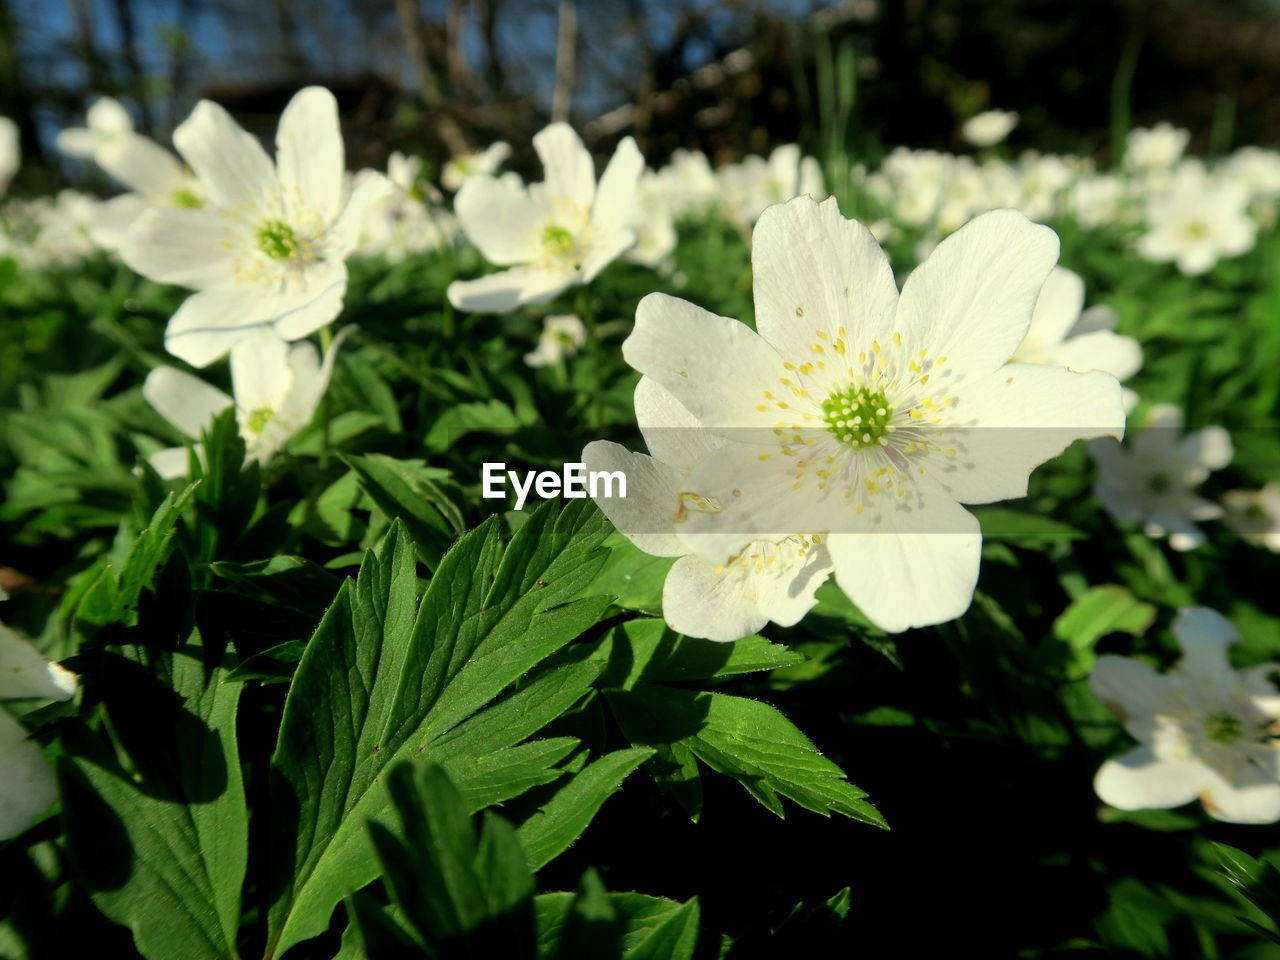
(439, 77)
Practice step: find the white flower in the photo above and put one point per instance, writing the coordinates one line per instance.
(27, 787)
(405, 219)
(688, 183)
(1060, 334)
(483, 164)
(553, 234)
(654, 225)
(760, 581)
(1206, 731)
(1097, 200)
(989, 128)
(1155, 148)
(1255, 515)
(269, 246)
(747, 188)
(562, 336)
(277, 388)
(155, 179)
(106, 120)
(1153, 479)
(867, 416)
(10, 152)
(1197, 220)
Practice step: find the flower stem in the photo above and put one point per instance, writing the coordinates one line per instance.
(587, 313)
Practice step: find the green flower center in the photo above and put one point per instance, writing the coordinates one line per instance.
(258, 419)
(1223, 728)
(182, 197)
(556, 240)
(1159, 483)
(1196, 229)
(858, 416)
(277, 240)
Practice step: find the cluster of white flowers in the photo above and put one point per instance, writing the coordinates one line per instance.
(843, 436)
(1171, 208)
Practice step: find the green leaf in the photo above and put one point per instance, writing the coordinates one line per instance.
(632, 577)
(638, 918)
(114, 596)
(404, 489)
(461, 895)
(386, 678)
(645, 650)
(1001, 523)
(744, 739)
(164, 853)
(561, 820)
(592, 927)
(1100, 611)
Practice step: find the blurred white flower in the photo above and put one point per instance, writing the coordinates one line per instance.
(1255, 515)
(10, 152)
(277, 388)
(27, 787)
(1097, 200)
(1149, 149)
(1060, 333)
(485, 163)
(1196, 220)
(654, 225)
(105, 121)
(749, 187)
(562, 336)
(1205, 731)
(688, 183)
(269, 246)
(868, 416)
(406, 219)
(155, 179)
(1152, 480)
(554, 234)
(761, 581)
(989, 128)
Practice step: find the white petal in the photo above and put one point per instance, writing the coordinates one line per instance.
(1131, 689)
(24, 673)
(672, 434)
(108, 116)
(303, 310)
(142, 165)
(229, 162)
(714, 366)
(1254, 798)
(645, 515)
(309, 152)
(1210, 447)
(27, 788)
(1012, 421)
(368, 188)
(211, 322)
(819, 279)
(499, 218)
(77, 142)
(1057, 308)
(1102, 350)
(507, 289)
(603, 251)
(918, 568)
(699, 600)
(569, 173)
(191, 248)
(1138, 781)
(260, 374)
(187, 402)
(1205, 636)
(170, 462)
(615, 198)
(972, 300)
(310, 379)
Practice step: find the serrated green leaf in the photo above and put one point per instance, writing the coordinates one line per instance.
(387, 679)
(561, 820)
(165, 855)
